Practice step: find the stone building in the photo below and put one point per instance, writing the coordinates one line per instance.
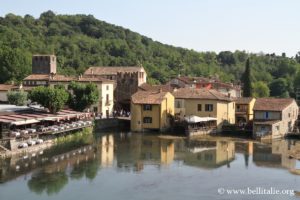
(204, 103)
(151, 110)
(231, 89)
(244, 110)
(127, 81)
(274, 117)
(43, 64)
(44, 74)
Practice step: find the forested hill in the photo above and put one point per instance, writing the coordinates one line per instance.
(80, 41)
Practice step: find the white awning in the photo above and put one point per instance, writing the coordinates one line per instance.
(51, 119)
(196, 119)
(23, 122)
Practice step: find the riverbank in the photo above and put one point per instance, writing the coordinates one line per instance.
(65, 140)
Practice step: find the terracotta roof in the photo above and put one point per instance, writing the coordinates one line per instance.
(5, 87)
(272, 104)
(148, 97)
(111, 70)
(48, 77)
(243, 100)
(191, 80)
(193, 93)
(219, 84)
(216, 83)
(63, 78)
(58, 77)
(37, 77)
(148, 87)
(93, 79)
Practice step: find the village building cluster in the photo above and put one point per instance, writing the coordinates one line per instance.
(200, 105)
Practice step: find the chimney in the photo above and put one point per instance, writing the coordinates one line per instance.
(92, 71)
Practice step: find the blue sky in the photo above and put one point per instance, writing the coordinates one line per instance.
(202, 25)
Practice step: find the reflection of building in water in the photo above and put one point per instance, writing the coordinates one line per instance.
(138, 150)
(245, 148)
(209, 154)
(48, 161)
(107, 150)
(157, 151)
(274, 155)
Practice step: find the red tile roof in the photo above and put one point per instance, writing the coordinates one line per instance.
(111, 70)
(203, 93)
(243, 100)
(148, 87)
(94, 79)
(272, 104)
(63, 78)
(5, 87)
(148, 97)
(216, 83)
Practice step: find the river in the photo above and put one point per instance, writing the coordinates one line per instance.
(140, 166)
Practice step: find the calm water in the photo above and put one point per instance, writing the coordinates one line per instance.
(136, 166)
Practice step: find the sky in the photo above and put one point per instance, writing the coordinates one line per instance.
(203, 25)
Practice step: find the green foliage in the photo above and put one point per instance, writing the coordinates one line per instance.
(80, 41)
(15, 63)
(246, 80)
(50, 182)
(279, 88)
(17, 98)
(260, 89)
(82, 95)
(52, 98)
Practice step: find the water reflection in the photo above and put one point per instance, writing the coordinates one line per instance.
(209, 154)
(127, 152)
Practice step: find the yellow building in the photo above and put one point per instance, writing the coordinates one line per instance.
(151, 110)
(244, 110)
(204, 103)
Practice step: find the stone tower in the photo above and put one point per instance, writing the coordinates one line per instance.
(43, 64)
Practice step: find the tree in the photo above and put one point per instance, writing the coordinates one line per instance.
(278, 88)
(260, 89)
(246, 80)
(15, 64)
(52, 98)
(17, 98)
(82, 95)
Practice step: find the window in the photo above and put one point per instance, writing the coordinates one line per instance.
(209, 107)
(199, 107)
(107, 97)
(267, 115)
(147, 107)
(107, 87)
(147, 120)
(178, 104)
(277, 128)
(289, 115)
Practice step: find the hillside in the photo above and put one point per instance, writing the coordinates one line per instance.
(80, 41)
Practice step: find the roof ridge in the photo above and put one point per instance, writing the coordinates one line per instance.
(214, 94)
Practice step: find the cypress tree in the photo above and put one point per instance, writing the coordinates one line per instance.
(246, 80)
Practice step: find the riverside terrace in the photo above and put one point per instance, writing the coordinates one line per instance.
(18, 125)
